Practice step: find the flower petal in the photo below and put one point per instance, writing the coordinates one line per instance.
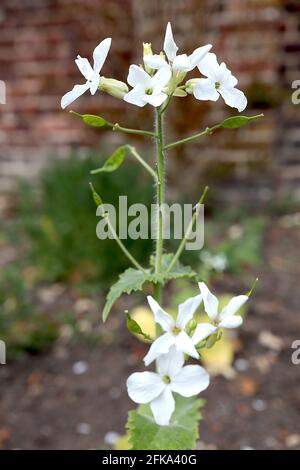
(190, 381)
(233, 321)
(160, 346)
(211, 302)
(233, 306)
(181, 62)
(170, 47)
(171, 363)
(198, 55)
(136, 96)
(94, 83)
(143, 387)
(226, 77)
(156, 100)
(100, 54)
(209, 66)
(72, 95)
(138, 76)
(202, 331)
(163, 407)
(84, 67)
(161, 317)
(234, 98)
(185, 344)
(187, 309)
(155, 61)
(205, 90)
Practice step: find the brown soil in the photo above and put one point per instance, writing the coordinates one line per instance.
(45, 405)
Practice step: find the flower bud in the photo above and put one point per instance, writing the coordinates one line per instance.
(191, 326)
(190, 85)
(113, 87)
(147, 51)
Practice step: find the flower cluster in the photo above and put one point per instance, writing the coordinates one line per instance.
(180, 337)
(161, 76)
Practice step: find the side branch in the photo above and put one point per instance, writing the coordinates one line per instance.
(229, 123)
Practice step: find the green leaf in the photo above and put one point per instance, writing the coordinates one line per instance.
(178, 271)
(96, 197)
(92, 120)
(135, 328)
(235, 122)
(113, 162)
(181, 434)
(130, 280)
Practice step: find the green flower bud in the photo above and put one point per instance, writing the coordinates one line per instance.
(179, 92)
(147, 51)
(190, 85)
(113, 87)
(191, 326)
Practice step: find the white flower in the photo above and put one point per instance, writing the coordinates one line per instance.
(175, 334)
(178, 63)
(91, 74)
(171, 376)
(227, 318)
(147, 89)
(219, 81)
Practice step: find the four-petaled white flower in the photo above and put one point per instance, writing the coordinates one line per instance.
(219, 81)
(147, 89)
(91, 74)
(175, 334)
(171, 376)
(178, 63)
(227, 318)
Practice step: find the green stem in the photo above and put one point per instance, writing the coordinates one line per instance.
(160, 189)
(207, 131)
(188, 231)
(142, 162)
(117, 128)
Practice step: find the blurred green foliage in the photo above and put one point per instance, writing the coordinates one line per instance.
(60, 219)
(22, 327)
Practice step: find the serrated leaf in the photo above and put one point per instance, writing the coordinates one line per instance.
(135, 328)
(235, 122)
(181, 434)
(178, 271)
(130, 280)
(113, 162)
(91, 119)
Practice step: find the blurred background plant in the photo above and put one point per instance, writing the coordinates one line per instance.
(60, 220)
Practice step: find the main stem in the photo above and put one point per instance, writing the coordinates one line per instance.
(160, 196)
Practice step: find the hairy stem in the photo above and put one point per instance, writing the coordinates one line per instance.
(160, 189)
(142, 162)
(160, 196)
(117, 128)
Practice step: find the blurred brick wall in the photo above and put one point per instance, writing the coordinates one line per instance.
(39, 40)
(258, 38)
